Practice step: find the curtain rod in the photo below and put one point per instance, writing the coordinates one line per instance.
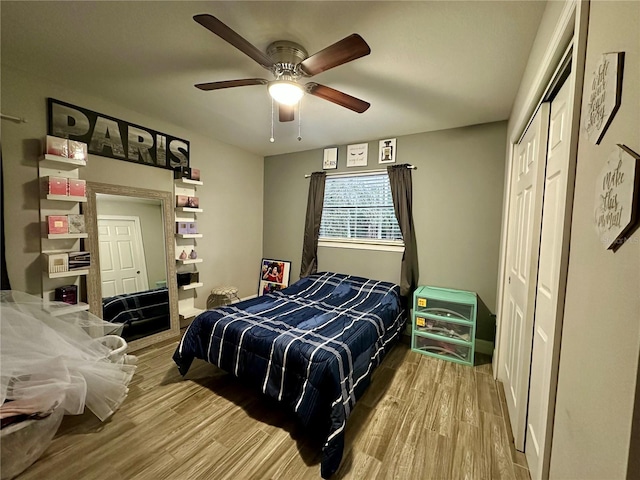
(360, 172)
(15, 119)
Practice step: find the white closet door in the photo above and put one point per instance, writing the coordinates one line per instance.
(522, 265)
(548, 293)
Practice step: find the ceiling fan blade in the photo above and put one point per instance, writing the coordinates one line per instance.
(231, 83)
(286, 112)
(344, 51)
(337, 97)
(216, 26)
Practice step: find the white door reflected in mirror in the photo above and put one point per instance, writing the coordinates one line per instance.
(122, 255)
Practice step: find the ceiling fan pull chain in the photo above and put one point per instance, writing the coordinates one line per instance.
(272, 139)
(299, 120)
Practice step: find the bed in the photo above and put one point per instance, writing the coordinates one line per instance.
(312, 346)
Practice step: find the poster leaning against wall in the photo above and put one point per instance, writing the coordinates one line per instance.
(274, 276)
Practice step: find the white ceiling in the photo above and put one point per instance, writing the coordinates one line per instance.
(433, 65)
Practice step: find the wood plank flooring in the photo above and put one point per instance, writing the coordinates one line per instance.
(421, 418)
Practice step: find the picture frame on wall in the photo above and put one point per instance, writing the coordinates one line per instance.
(330, 159)
(274, 276)
(387, 151)
(357, 155)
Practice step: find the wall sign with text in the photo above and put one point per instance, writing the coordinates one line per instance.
(604, 95)
(111, 137)
(616, 207)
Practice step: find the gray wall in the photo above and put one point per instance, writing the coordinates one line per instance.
(601, 330)
(457, 198)
(231, 196)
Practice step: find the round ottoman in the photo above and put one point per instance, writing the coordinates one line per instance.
(224, 295)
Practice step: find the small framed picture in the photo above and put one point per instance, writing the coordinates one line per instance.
(357, 155)
(274, 275)
(330, 159)
(387, 153)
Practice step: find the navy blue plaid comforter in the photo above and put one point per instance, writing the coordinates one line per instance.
(312, 346)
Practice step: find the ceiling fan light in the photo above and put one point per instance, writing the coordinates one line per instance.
(285, 92)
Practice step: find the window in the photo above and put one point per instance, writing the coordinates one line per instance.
(359, 208)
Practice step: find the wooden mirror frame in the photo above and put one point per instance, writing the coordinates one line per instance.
(94, 284)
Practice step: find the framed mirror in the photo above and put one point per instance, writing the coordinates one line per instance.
(132, 279)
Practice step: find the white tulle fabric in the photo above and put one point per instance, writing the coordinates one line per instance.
(59, 361)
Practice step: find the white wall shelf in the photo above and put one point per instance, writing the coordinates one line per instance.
(69, 273)
(57, 309)
(187, 242)
(186, 181)
(61, 236)
(66, 198)
(189, 261)
(56, 162)
(50, 243)
(190, 313)
(189, 209)
(188, 235)
(56, 250)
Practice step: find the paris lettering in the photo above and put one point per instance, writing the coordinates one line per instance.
(110, 137)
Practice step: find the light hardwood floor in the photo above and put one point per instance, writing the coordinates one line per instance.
(421, 418)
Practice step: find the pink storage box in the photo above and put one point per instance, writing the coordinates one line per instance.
(77, 187)
(58, 224)
(57, 146)
(77, 150)
(57, 186)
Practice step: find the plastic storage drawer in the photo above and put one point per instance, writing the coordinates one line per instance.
(446, 309)
(443, 349)
(436, 326)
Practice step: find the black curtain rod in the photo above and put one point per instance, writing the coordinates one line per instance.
(412, 167)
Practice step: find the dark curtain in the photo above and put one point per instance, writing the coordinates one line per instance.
(312, 224)
(4, 285)
(402, 193)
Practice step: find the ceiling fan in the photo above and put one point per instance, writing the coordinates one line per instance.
(288, 62)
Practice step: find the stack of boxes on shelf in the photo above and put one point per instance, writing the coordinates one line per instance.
(66, 262)
(63, 223)
(187, 207)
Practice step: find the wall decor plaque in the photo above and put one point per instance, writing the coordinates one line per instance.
(604, 95)
(387, 151)
(357, 155)
(616, 205)
(330, 159)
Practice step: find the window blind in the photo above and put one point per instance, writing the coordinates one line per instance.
(359, 207)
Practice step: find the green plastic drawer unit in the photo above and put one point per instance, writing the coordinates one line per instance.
(444, 323)
(445, 350)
